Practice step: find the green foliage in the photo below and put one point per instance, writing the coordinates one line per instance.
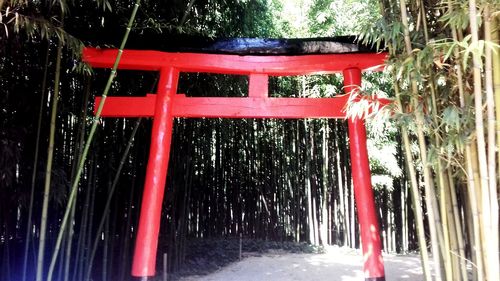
(27, 18)
(438, 67)
(458, 16)
(328, 17)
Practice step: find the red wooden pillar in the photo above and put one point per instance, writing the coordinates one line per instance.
(149, 223)
(363, 193)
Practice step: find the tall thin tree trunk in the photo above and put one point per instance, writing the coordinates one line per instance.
(76, 160)
(48, 171)
(493, 233)
(458, 224)
(112, 188)
(415, 195)
(476, 246)
(105, 249)
(79, 263)
(430, 195)
(126, 235)
(90, 225)
(474, 189)
(35, 163)
(324, 196)
(344, 214)
(486, 211)
(69, 246)
(495, 37)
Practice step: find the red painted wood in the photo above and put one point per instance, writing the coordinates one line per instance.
(146, 245)
(259, 107)
(230, 107)
(127, 106)
(258, 86)
(363, 192)
(233, 64)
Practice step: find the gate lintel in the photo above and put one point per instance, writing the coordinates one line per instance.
(166, 104)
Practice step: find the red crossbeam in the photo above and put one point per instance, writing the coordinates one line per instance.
(233, 64)
(259, 107)
(127, 106)
(216, 107)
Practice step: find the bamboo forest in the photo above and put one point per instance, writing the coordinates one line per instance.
(75, 179)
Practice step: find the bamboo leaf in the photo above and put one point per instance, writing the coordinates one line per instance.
(467, 52)
(16, 23)
(451, 48)
(108, 5)
(451, 117)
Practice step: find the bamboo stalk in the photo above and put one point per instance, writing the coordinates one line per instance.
(76, 182)
(105, 250)
(493, 249)
(80, 250)
(476, 246)
(453, 229)
(69, 244)
(430, 197)
(495, 38)
(186, 13)
(458, 226)
(126, 237)
(91, 210)
(112, 188)
(443, 183)
(77, 153)
(469, 225)
(481, 143)
(447, 229)
(475, 202)
(415, 195)
(35, 163)
(48, 171)
(165, 259)
(325, 183)
(404, 216)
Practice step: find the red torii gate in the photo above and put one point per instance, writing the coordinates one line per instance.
(167, 104)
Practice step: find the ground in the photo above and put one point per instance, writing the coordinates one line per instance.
(337, 264)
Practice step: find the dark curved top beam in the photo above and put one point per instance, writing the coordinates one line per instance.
(251, 46)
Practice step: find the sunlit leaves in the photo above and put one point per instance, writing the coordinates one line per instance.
(458, 17)
(451, 118)
(327, 17)
(465, 48)
(384, 34)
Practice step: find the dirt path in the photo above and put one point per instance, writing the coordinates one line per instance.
(338, 264)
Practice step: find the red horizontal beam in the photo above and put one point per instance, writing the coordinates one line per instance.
(259, 107)
(235, 64)
(127, 106)
(216, 107)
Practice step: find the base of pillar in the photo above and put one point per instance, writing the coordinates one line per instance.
(375, 278)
